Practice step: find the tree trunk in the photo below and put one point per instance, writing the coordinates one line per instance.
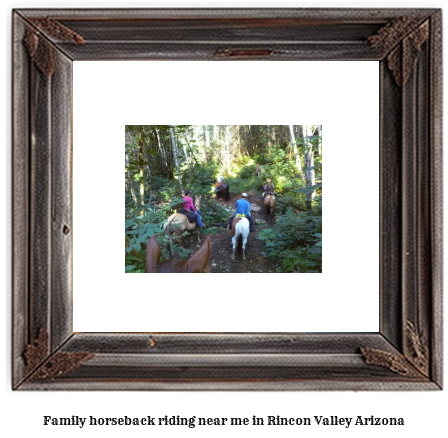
(162, 155)
(309, 162)
(130, 188)
(296, 152)
(206, 143)
(141, 168)
(227, 142)
(319, 130)
(176, 159)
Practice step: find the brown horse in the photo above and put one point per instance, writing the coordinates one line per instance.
(269, 205)
(197, 263)
(178, 223)
(222, 189)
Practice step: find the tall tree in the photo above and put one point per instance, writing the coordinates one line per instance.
(206, 142)
(296, 152)
(227, 144)
(309, 163)
(176, 158)
(141, 164)
(319, 133)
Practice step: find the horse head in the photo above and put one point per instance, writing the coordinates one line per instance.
(196, 263)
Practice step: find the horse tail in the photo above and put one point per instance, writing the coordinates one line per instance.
(237, 232)
(241, 231)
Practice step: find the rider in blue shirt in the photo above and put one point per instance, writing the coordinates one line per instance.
(243, 207)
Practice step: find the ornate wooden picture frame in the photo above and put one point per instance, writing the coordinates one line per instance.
(406, 353)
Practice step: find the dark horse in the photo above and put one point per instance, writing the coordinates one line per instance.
(269, 205)
(222, 189)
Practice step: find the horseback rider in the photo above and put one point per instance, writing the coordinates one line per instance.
(243, 210)
(268, 188)
(190, 209)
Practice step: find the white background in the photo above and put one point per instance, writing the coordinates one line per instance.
(424, 413)
(346, 103)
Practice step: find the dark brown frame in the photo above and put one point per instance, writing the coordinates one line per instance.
(406, 354)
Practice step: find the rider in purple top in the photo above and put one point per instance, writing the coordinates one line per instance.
(189, 206)
(188, 202)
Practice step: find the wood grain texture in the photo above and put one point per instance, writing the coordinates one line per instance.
(20, 197)
(436, 196)
(406, 354)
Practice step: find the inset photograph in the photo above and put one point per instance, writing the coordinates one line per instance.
(223, 199)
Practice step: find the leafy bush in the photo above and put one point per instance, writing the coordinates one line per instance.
(295, 242)
(202, 178)
(164, 189)
(213, 212)
(278, 163)
(139, 228)
(291, 201)
(239, 184)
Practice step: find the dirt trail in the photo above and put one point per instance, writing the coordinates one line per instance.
(220, 259)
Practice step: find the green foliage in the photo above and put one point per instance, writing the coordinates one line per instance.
(201, 178)
(295, 242)
(290, 201)
(164, 189)
(244, 166)
(309, 190)
(279, 166)
(239, 184)
(212, 212)
(138, 230)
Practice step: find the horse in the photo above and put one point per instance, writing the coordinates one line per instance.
(269, 205)
(222, 189)
(240, 232)
(178, 223)
(197, 262)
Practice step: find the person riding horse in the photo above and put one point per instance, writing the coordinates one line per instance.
(222, 189)
(243, 209)
(190, 211)
(268, 188)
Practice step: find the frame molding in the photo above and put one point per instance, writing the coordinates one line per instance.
(406, 354)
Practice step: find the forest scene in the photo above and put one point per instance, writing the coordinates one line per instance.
(215, 166)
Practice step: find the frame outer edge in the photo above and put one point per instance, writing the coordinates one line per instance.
(252, 12)
(436, 136)
(20, 200)
(42, 281)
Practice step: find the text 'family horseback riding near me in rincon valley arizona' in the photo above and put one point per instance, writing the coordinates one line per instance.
(193, 421)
